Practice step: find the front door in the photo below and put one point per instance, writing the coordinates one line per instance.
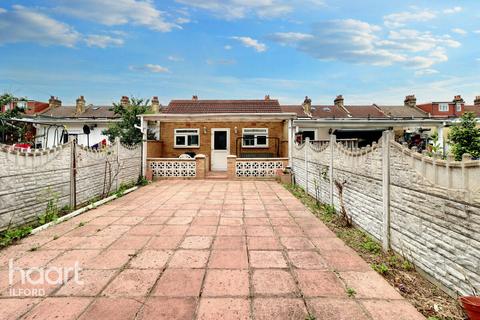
(220, 149)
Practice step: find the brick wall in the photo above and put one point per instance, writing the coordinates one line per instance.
(29, 180)
(275, 129)
(433, 213)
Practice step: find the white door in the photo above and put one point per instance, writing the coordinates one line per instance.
(220, 149)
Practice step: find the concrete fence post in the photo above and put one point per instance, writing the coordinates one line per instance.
(333, 139)
(306, 148)
(73, 174)
(117, 151)
(386, 189)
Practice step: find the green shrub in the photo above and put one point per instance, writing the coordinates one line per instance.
(381, 268)
(371, 246)
(11, 235)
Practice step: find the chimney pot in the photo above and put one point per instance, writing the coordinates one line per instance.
(125, 101)
(267, 97)
(410, 101)
(155, 107)
(458, 99)
(339, 101)
(476, 102)
(195, 98)
(307, 106)
(80, 106)
(54, 102)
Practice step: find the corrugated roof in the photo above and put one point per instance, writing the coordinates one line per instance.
(223, 106)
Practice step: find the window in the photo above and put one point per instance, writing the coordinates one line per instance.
(255, 138)
(310, 134)
(187, 138)
(443, 107)
(458, 106)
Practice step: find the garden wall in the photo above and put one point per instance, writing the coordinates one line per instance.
(424, 208)
(28, 180)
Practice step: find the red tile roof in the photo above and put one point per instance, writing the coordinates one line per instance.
(474, 109)
(223, 106)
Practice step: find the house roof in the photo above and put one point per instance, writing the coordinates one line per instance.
(90, 112)
(474, 109)
(403, 112)
(222, 106)
(318, 111)
(370, 111)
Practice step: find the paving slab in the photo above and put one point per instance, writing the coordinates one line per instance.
(179, 249)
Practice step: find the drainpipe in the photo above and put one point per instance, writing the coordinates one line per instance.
(290, 142)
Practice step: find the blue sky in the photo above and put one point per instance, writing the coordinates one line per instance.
(369, 51)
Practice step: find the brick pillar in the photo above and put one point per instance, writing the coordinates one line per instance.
(231, 165)
(201, 163)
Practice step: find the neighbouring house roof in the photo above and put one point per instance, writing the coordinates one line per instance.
(318, 111)
(365, 111)
(92, 112)
(222, 106)
(474, 109)
(403, 112)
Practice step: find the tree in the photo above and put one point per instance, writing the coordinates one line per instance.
(465, 137)
(5, 117)
(125, 129)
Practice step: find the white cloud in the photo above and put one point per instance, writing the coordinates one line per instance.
(425, 72)
(175, 58)
(22, 24)
(227, 47)
(476, 31)
(356, 41)
(154, 68)
(289, 38)
(459, 31)
(453, 10)
(221, 61)
(102, 41)
(252, 43)
(400, 19)
(182, 20)
(239, 9)
(118, 12)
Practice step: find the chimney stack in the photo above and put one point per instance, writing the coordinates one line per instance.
(155, 108)
(476, 102)
(410, 101)
(80, 106)
(339, 101)
(125, 101)
(267, 97)
(307, 106)
(458, 99)
(54, 102)
(195, 98)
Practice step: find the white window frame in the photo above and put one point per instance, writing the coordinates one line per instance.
(179, 133)
(255, 134)
(458, 107)
(443, 107)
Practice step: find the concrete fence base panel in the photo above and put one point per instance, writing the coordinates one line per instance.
(424, 208)
(72, 174)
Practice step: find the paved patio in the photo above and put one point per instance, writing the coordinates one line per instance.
(199, 250)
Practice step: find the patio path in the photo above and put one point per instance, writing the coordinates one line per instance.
(199, 250)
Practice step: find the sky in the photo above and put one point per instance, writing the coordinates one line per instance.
(368, 51)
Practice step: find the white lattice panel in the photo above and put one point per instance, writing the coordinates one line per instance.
(180, 169)
(257, 168)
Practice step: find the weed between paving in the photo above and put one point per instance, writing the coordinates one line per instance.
(429, 300)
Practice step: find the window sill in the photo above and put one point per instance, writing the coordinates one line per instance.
(255, 147)
(180, 147)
